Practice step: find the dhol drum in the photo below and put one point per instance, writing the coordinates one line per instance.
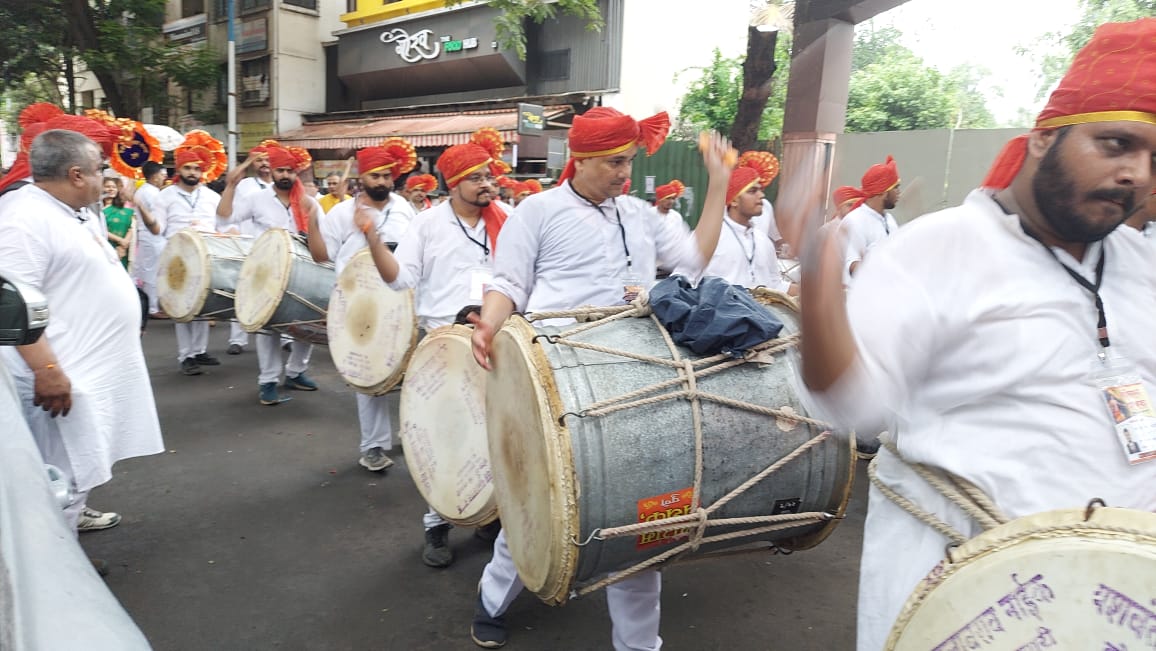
(595, 453)
(282, 289)
(1069, 579)
(372, 329)
(197, 274)
(443, 427)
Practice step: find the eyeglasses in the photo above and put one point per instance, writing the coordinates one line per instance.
(478, 179)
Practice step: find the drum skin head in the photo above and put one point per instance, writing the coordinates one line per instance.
(528, 447)
(443, 428)
(264, 277)
(183, 275)
(372, 328)
(1068, 579)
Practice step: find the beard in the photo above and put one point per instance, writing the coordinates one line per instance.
(481, 199)
(1055, 195)
(378, 193)
(190, 180)
(284, 184)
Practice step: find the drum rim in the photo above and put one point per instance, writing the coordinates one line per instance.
(395, 378)
(197, 238)
(563, 499)
(1102, 522)
(286, 268)
(489, 511)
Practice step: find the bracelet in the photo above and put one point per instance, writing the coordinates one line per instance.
(46, 367)
(368, 226)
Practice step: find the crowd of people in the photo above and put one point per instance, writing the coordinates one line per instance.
(973, 335)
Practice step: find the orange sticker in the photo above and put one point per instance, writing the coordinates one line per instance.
(661, 507)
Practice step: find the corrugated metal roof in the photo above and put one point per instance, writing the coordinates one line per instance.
(431, 130)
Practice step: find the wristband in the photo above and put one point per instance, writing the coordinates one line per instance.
(46, 367)
(366, 227)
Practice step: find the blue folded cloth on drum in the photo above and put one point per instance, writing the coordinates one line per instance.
(713, 317)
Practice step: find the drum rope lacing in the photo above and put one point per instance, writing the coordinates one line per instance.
(689, 372)
(967, 496)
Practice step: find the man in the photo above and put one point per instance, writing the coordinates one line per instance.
(417, 187)
(768, 166)
(843, 198)
(263, 179)
(337, 186)
(580, 243)
(84, 384)
(989, 369)
(150, 240)
(867, 224)
(188, 204)
(338, 236)
(523, 189)
(745, 254)
(447, 255)
(284, 205)
(506, 189)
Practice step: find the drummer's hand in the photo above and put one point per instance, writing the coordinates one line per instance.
(481, 340)
(52, 391)
(363, 217)
(717, 154)
(239, 172)
(233, 230)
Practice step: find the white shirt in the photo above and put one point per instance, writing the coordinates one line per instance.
(765, 221)
(343, 238)
(438, 255)
(985, 368)
(560, 252)
(176, 209)
(94, 331)
(863, 228)
(250, 185)
(146, 195)
(259, 211)
(745, 256)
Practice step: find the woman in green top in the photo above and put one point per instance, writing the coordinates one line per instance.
(117, 219)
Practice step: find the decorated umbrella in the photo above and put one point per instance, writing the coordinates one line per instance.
(168, 137)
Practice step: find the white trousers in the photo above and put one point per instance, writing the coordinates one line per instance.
(237, 334)
(432, 519)
(376, 426)
(52, 450)
(634, 603)
(144, 266)
(269, 358)
(192, 339)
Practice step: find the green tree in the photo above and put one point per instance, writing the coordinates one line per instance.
(511, 22)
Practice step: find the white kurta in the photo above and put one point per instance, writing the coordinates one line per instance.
(745, 256)
(148, 246)
(985, 368)
(863, 229)
(765, 221)
(177, 209)
(561, 252)
(343, 238)
(438, 256)
(94, 330)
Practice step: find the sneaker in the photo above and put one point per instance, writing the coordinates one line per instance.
(269, 396)
(93, 520)
(101, 566)
(301, 382)
(437, 552)
(205, 359)
(488, 532)
(487, 632)
(375, 460)
(158, 315)
(234, 349)
(189, 366)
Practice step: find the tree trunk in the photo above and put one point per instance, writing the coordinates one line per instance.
(82, 29)
(758, 71)
(70, 79)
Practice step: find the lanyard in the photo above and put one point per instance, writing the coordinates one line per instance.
(621, 228)
(484, 244)
(1093, 288)
(196, 197)
(750, 258)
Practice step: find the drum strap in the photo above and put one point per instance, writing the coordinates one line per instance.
(967, 496)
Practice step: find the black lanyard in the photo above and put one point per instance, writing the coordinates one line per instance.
(750, 258)
(196, 197)
(621, 228)
(485, 235)
(1094, 288)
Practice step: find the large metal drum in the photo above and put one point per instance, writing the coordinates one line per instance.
(197, 274)
(443, 427)
(1069, 579)
(281, 287)
(372, 329)
(560, 479)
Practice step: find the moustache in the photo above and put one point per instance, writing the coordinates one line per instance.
(1126, 198)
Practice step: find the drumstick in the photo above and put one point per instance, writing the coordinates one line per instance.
(344, 175)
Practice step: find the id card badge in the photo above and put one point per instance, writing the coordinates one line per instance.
(1129, 407)
(480, 278)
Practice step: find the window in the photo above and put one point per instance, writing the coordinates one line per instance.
(240, 7)
(88, 99)
(555, 65)
(304, 4)
(350, 6)
(192, 8)
(255, 82)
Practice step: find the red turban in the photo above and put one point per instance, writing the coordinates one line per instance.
(395, 155)
(880, 178)
(506, 182)
(742, 177)
(673, 189)
(262, 147)
(529, 186)
(846, 193)
(1111, 79)
(763, 161)
(37, 118)
(603, 131)
(203, 149)
(485, 148)
(296, 159)
(423, 182)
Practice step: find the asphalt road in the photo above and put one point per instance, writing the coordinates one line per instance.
(258, 530)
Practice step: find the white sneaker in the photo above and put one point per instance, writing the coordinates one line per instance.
(93, 520)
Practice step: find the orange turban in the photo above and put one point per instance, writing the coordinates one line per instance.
(530, 186)
(603, 131)
(37, 118)
(742, 178)
(396, 155)
(763, 161)
(673, 189)
(846, 193)
(484, 149)
(880, 178)
(262, 147)
(506, 182)
(1111, 79)
(296, 159)
(203, 149)
(423, 182)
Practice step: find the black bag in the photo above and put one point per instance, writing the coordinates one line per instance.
(713, 317)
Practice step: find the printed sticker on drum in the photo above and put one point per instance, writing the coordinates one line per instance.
(1131, 411)
(661, 507)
